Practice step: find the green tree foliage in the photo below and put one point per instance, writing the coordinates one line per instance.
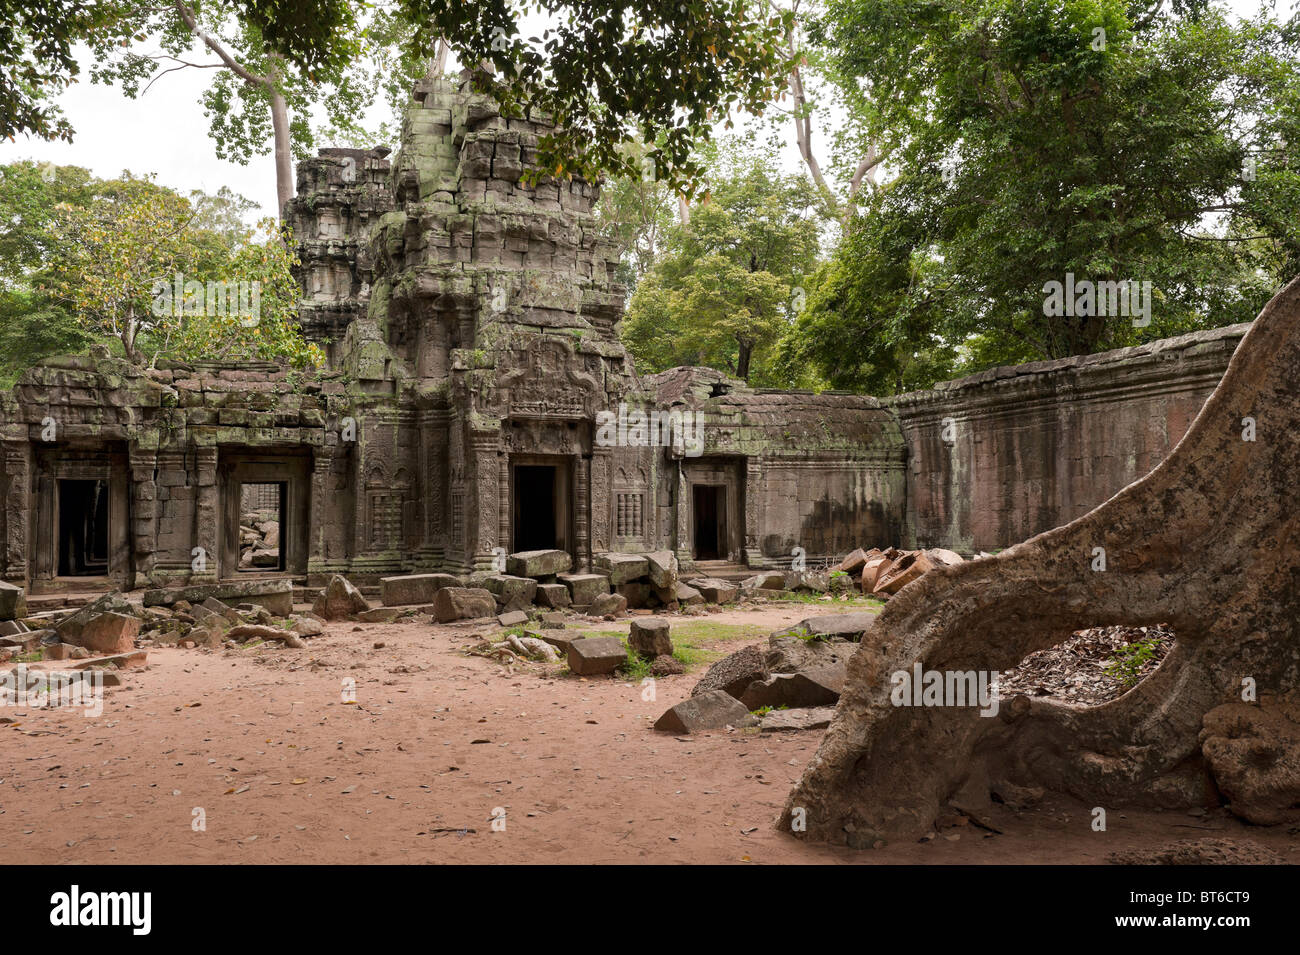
(1031, 139)
(85, 260)
(726, 286)
(609, 73)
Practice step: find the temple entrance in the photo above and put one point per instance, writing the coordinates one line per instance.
(83, 528)
(710, 521)
(261, 521)
(540, 510)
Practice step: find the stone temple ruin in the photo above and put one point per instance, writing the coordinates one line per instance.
(478, 421)
(471, 323)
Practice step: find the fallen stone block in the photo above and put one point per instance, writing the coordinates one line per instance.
(827, 626)
(906, 569)
(560, 639)
(10, 627)
(511, 591)
(872, 571)
(637, 593)
(13, 601)
(275, 595)
(463, 603)
(608, 605)
(711, 710)
(379, 615)
(340, 600)
(716, 591)
(650, 637)
(70, 627)
(734, 673)
(108, 633)
(584, 588)
(807, 581)
(820, 686)
(123, 661)
(305, 626)
(621, 568)
(688, 596)
(661, 565)
(595, 655)
(855, 561)
(415, 588)
(538, 563)
(553, 595)
(811, 718)
(769, 580)
(512, 619)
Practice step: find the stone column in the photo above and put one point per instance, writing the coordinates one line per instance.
(504, 515)
(752, 515)
(17, 505)
(582, 511)
(144, 514)
(207, 517)
(485, 487)
(682, 533)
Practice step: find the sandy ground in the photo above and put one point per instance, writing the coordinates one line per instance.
(437, 743)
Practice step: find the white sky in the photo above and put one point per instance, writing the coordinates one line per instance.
(165, 133)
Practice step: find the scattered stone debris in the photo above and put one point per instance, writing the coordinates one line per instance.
(340, 600)
(710, 710)
(591, 656)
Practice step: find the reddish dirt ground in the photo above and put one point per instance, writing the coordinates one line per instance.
(286, 772)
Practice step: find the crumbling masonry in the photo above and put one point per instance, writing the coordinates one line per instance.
(471, 324)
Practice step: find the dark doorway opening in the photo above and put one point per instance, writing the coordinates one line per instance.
(710, 521)
(83, 528)
(261, 526)
(535, 507)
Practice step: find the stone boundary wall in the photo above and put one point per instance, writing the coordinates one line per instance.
(1031, 447)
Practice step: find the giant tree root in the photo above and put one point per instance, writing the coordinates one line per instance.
(1206, 542)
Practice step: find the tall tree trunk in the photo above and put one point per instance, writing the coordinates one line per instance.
(742, 360)
(284, 180)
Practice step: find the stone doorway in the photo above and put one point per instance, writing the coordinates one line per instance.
(541, 511)
(83, 528)
(709, 520)
(261, 521)
(275, 484)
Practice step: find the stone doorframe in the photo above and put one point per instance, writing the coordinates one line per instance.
(727, 472)
(293, 468)
(65, 463)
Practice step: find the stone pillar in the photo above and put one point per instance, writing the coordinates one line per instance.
(503, 516)
(144, 514)
(485, 487)
(752, 514)
(682, 532)
(17, 505)
(207, 518)
(582, 511)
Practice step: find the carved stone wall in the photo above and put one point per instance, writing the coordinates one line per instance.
(998, 457)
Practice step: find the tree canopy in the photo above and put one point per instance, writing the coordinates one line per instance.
(1036, 142)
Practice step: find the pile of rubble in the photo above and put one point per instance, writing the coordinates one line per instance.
(792, 684)
(259, 541)
(542, 578)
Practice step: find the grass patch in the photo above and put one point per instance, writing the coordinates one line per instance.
(844, 601)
